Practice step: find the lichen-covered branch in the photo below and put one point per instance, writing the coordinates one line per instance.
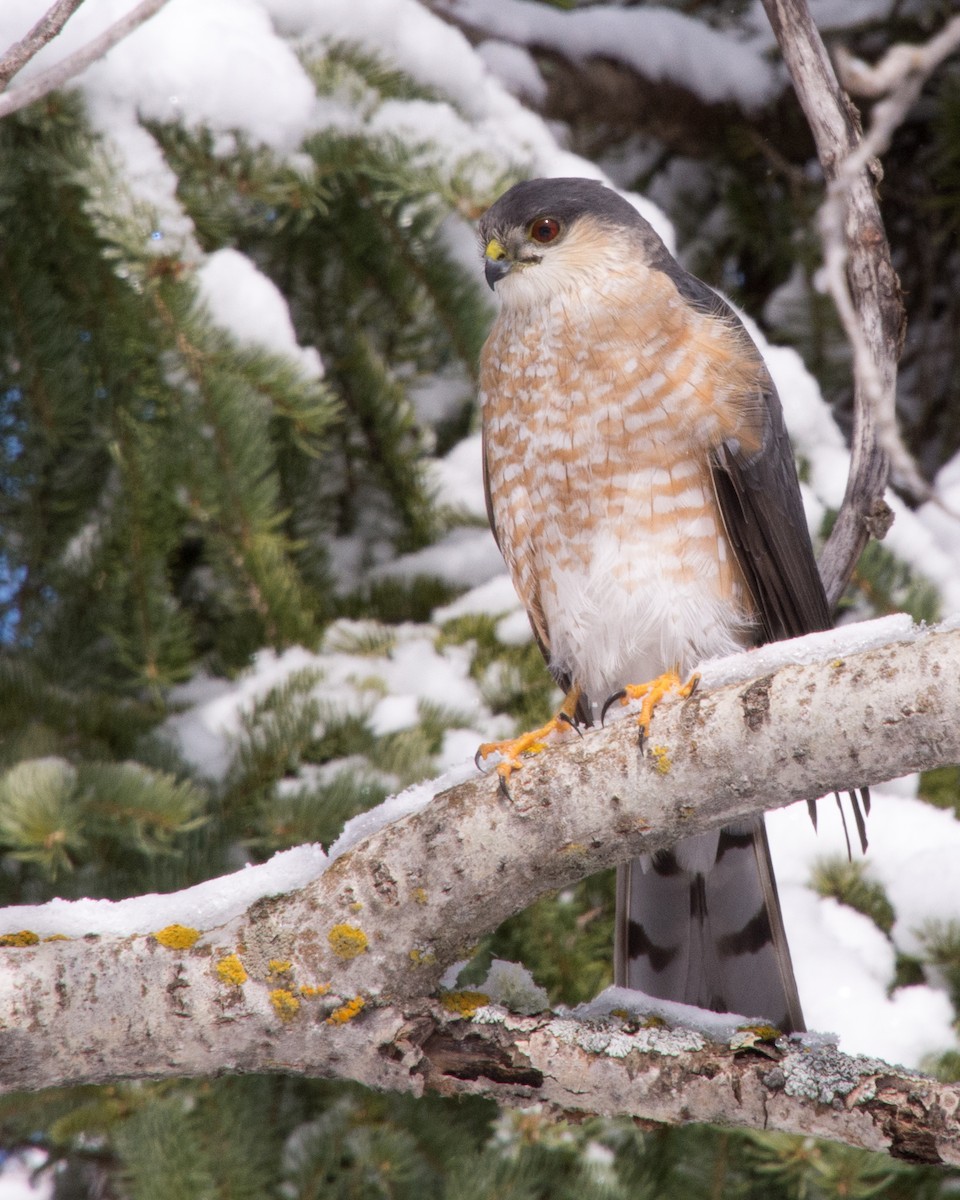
(331, 979)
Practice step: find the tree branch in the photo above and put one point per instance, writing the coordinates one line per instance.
(329, 979)
(45, 30)
(860, 276)
(73, 64)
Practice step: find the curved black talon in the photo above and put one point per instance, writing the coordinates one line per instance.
(478, 761)
(571, 721)
(504, 788)
(611, 700)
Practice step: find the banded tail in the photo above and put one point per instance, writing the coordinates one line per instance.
(700, 923)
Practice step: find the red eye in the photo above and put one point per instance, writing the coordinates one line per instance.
(544, 229)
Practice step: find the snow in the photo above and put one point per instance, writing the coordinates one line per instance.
(465, 557)
(16, 1172)
(458, 477)
(516, 69)
(251, 306)
(813, 647)
(204, 906)
(658, 43)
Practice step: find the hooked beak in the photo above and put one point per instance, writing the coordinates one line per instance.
(497, 262)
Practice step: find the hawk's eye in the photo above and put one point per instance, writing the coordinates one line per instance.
(544, 229)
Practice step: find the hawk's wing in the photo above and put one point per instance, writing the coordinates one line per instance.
(760, 503)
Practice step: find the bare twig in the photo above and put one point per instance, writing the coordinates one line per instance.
(858, 271)
(45, 30)
(73, 64)
(867, 289)
(901, 63)
(898, 78)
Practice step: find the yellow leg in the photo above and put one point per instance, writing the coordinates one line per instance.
(650, 694)
(531, 742)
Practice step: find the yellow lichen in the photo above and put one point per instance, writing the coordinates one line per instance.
(661, 759)
(25, 937)
(346, 1012)
(347, 941)
(464, 1004)
(422, 958)
(763, 1031)
(57, 937)
(231, 970)
(285, 1004)
(280, 966)
(177, 937)
(419, 895)
(356, 906)
(309, 991)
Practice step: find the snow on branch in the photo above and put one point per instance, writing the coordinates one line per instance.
(331, 979)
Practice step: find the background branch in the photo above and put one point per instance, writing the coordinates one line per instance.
(65, 70)
(860, 277)
(45, 30)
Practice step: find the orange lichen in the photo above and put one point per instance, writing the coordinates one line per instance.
(279, 966)
(177, 937)
(25, 937)
(285, 1004)
(231, 970)
(346, 1012)
(310, 991)
(661, 759)
(347, 941)
(464, 1004)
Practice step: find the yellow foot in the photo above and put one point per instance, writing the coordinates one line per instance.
(527, 743)
(651, 694)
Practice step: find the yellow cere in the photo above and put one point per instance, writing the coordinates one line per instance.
(494, 250)
(347, 941)
(177, 937)
(231, 970)
(285, 1004)
(346, 1012)
(24, 938)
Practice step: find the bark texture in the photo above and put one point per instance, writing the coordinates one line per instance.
(331, 980)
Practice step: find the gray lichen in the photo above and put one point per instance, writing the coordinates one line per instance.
(822, 1073)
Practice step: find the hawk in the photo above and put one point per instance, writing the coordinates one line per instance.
(642, 490)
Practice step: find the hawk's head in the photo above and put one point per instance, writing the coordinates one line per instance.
(551, 235)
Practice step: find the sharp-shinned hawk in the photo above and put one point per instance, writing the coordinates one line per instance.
(643, 493)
